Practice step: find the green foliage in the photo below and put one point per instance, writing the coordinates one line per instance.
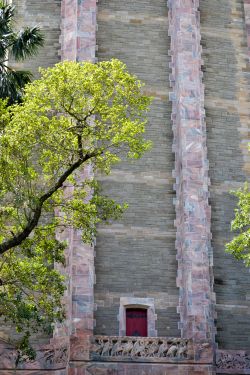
(77, 117)
(240, 245)
(18, 45)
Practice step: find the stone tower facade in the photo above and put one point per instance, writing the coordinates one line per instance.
(167, 253)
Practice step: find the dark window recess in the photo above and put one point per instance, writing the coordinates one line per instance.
(136, 322)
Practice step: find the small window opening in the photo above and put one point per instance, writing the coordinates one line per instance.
(136, 322)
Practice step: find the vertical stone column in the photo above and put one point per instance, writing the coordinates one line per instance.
(78, 38)
(193, 214)
(78, 42)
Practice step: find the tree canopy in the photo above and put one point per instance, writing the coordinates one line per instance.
(76, 115)
(18, 46)
(240, 244)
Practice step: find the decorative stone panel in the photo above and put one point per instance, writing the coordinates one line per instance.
(141, 348)
(193, 215)
(150, 349)
(232, 362)
(48, 357)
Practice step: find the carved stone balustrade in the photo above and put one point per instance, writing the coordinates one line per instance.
(232, 362)
(148, 349)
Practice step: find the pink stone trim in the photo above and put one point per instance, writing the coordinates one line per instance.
(78, 43)
(193, 214)
(78, 38)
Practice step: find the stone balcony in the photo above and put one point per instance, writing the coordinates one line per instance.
(148, 349)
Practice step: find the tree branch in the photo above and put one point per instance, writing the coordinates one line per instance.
(32, 223)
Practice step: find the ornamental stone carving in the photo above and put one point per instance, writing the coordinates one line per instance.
(51, 356)
(134, 348)
(234, 361)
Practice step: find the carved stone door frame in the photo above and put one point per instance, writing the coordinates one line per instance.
(133, 302)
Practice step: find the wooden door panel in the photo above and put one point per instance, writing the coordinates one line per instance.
(136, 322)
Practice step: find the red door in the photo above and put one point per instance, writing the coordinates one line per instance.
(136, 322)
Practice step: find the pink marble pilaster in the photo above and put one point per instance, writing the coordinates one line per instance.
(193, 214)
(78, 43)
(78, 37)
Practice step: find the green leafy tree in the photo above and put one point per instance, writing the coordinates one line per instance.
(240, 245)
(19, 46)
(75, 116)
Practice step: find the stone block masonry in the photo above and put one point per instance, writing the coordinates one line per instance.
(135, 257)
(247, 23)
(78, 37)
(193, 215)
(138, 369)
(78, 42)
(227, 105)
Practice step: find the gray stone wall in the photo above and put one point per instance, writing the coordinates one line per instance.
(136, 256)
(227, 109)
(47, 15)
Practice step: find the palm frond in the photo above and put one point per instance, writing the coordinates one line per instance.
(20, 45)
(2, 49)
(6, 41)
(6, 15)
(26, 43)
(12, 83)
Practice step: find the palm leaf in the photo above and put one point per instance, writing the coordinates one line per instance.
(12, 83)
(6, 40)
(26, 43)
(20, 45)
(6, 15)
(2, 49)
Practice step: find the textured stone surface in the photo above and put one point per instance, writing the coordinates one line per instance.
(138, 349)
(34, 372)
(247, 22)
(78, 44)
(191, 171)
(227, 82)
(232, 362)
(48, 357)
(139, 369)
(136, 257)
(78, 30)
